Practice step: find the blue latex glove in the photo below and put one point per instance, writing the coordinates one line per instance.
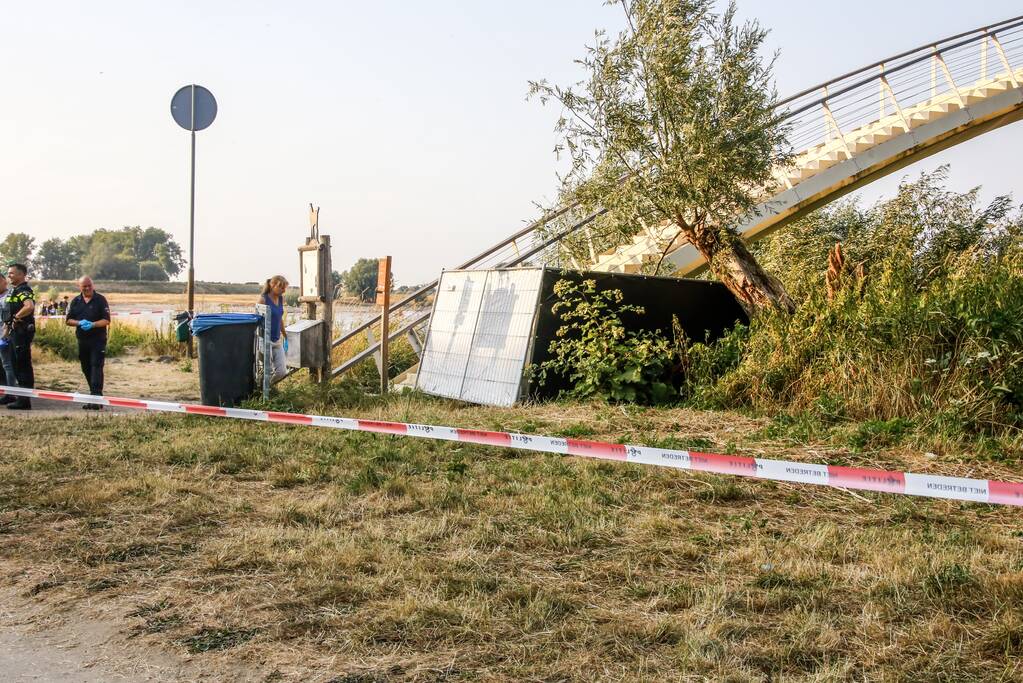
(285, 345)
(85, 324)
(3, 342)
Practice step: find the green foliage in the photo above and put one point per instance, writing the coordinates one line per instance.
(56, 260)
(701, 363)
(401, 358)
(932, 336)
(361, 279)
(131, 253)
(17, 247)
(51, 294)
(879, 433)
(58, 338)
(105, 263)
(152, 271)
(675, 121)
(599, 356)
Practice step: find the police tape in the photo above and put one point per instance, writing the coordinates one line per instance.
(906, 483)
(160, 312)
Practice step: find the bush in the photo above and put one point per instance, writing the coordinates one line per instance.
(59, 339)
(52, 294)
(152, 271)
(599, 355)
(365, 375)
(932, 332)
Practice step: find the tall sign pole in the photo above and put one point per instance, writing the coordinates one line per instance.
(193, 108)
(191, 217)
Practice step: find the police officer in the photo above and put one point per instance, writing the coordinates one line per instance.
(89, 314)
(6, 359)
(20, 303)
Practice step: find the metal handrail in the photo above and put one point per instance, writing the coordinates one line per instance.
(985, 31)
(427, 288)
(808, 130)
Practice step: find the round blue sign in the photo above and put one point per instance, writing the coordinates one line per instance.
(193, 107)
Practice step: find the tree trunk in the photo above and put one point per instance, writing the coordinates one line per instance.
(731, 261)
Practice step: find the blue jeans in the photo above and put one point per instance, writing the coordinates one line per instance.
(7, 362)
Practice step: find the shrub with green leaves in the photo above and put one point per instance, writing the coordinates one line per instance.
(599, 356)
(932, 333)
(59, 339)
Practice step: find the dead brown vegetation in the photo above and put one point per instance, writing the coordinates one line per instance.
(346, 556)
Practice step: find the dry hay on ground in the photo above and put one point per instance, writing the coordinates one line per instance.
(305, 552)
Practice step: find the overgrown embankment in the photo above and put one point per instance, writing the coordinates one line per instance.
(912, 327)
(59, 339)
(919, 321)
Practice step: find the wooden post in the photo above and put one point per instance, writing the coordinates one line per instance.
(384, 299)
(328, 303)
(310, 297)
(317, 295)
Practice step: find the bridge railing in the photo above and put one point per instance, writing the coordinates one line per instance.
(939, 70)
(530, 245)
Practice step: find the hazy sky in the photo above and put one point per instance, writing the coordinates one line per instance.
(405, 121)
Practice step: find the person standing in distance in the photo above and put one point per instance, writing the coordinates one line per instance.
(89, 314)
(21, 303)
(6, 357)
(273, 296)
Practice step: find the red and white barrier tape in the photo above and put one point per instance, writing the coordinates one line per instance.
(157, 312)
(115, 313)
(927, 485)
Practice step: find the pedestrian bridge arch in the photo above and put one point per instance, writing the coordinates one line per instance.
(857, 128)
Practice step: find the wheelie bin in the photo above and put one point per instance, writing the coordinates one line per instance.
(227, 357)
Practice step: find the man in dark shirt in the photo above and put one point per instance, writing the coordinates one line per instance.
(89, 313)
(20, 303)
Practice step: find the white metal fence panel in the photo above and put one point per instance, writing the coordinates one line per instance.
(479, 335)
(493, 374)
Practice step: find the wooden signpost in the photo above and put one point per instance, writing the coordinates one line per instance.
(317, 288)
(384, 299)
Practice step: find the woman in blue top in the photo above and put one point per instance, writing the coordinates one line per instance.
(273, 297)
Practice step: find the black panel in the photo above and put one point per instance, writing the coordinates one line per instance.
(704, 308)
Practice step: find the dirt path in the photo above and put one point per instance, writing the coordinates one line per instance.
(40, 643)
(129, 376)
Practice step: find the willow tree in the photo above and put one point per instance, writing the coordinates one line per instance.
(675, 121)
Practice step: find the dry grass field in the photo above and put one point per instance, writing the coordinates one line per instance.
(306, 554)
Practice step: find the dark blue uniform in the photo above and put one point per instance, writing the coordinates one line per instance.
(92, 344)
(23, 331)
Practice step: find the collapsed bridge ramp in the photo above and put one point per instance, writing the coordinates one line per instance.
(846, 132)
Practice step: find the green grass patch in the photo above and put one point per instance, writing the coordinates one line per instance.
(212, 639)
(59, 339)
(874, 434)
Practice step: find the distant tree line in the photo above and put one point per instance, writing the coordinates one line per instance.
(361, 280)
(131, 253)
